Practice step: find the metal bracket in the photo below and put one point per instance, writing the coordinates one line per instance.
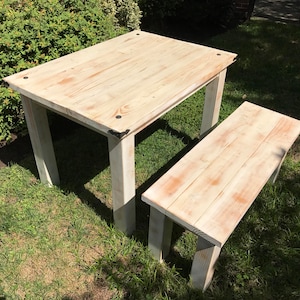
(119, 135)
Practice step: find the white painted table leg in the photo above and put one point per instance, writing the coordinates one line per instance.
(213, 99)
(41, 140)
(122, 164)
(204, 264)
(160, 234)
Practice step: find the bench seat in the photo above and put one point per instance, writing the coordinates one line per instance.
(211, 188)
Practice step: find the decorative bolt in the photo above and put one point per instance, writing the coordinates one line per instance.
(118, 116)
(25, 77)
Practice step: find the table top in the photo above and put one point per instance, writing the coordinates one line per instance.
(122, 84)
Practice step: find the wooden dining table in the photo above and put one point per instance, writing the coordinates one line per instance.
(117, 88)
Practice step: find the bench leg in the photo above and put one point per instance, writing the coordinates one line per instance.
(160, 234)
(276, 172)
(204, 264)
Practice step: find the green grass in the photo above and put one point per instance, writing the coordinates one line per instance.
(60, 243)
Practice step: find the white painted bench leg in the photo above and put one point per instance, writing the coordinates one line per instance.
(204, 264)
(41, 140)
(276, 172)
(212, 104)
(121, 156)
(160, 234)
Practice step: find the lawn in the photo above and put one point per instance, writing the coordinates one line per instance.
(60, 242)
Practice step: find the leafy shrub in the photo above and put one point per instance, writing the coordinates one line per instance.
(128, 13)
(36, 31)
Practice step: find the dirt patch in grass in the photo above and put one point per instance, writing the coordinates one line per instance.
(98, 290)
(60, 272)
(50, 248)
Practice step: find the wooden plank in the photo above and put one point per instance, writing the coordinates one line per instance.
(38, 128)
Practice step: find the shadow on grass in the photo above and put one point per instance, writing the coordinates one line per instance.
(267, 69)
(82, 154)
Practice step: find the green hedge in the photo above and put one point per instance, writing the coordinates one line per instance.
(36, 31)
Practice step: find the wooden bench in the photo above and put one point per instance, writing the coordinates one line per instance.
(211, 188)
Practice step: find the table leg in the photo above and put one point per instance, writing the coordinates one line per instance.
(122, 164)
(213, 99)
(41, 140)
